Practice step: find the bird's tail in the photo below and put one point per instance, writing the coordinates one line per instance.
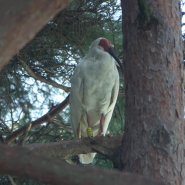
(86, 158)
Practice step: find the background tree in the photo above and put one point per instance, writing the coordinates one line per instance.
(38, 77)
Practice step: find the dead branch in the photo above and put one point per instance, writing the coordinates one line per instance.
(25, 164)
(54, 122)
(47, 117)
(25, 134)
(11, 180)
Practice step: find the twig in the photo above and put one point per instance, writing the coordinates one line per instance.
(5, 125)
(11, 180)
(121, 94)
(25, 134)
(60, 125)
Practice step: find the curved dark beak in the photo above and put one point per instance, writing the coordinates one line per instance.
(113, 54)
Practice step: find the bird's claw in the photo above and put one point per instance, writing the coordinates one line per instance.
(100, 134)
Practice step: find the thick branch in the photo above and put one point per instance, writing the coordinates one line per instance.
(108, 147)
(25, 164)
(47, 117)
(21, 20)
(36, 77)
(103, 145)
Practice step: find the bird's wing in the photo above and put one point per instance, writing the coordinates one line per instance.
(76, 99)
(114, 96)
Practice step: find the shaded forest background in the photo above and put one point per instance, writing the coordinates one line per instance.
(38, 77)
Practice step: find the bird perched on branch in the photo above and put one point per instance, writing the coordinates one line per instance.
(94, 91)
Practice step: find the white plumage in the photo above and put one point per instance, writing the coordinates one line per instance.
(94, 90)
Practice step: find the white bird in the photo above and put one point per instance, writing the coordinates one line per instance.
(94, 91)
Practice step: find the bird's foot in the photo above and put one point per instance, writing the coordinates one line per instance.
(89, 131)
(100, 134)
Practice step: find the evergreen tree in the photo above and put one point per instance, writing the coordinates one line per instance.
(38, 77)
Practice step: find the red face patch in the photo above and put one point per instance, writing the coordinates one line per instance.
(104, 43)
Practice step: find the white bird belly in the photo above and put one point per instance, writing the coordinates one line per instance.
(97, 93)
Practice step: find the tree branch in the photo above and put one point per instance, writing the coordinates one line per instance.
(60, 125)
(47, 117)
(25, 164)
(23, 20)
(121, 94)
(103, 145)
(25, 134)
(36, 77)
(11, 180)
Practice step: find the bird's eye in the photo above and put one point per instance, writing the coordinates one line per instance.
(102, 42)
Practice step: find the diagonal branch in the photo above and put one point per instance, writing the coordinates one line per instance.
(36, 77)
(11, 180)
(47, 117)
(25, 164)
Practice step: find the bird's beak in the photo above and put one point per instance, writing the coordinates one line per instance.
(113, 54)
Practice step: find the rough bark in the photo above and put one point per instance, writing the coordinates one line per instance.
(25, 164)
(21, 20)
(154, 130)
(106, 146)
(47, 117)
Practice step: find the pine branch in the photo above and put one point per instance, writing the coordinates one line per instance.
(36, 77)
(25, 164)
(47, 117)
(63, 149)
(11, 180)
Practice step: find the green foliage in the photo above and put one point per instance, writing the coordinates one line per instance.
(102, 162)
(117, 122)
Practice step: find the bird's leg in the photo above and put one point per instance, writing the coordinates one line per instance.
(78, 132)
(102, 120)
(88, 120)
(89, 129)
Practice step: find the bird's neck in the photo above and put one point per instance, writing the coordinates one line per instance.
(97, 53)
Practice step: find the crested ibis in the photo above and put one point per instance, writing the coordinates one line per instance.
(94, 91)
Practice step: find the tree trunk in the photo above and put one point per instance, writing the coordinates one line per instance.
(21, 20)
(154, 130)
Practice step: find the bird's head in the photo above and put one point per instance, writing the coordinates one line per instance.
(107, 46)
